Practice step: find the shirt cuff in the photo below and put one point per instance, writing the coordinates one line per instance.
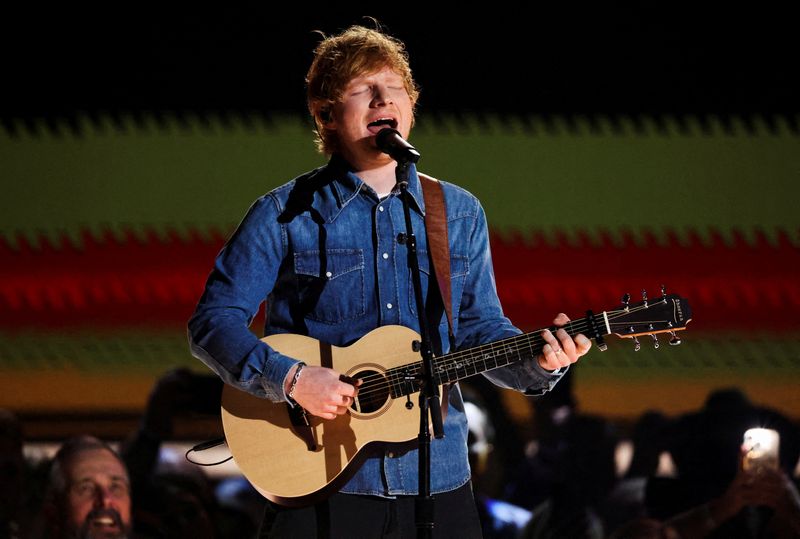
(550, 378)
(558, 372)
(274, 376)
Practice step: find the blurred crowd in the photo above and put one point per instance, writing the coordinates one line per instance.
(564, 482)
(568, 482)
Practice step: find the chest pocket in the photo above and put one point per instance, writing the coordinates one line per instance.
(331, 284)
(459, 268)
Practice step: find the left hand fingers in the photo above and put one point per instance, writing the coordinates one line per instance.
(555, 353)
(560, 320)
(561, 349)
(578, 345)
(573, 347)
(582, 344)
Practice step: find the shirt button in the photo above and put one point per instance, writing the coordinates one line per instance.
(385, 256)
(388, 305)
(380, 208)
(328, 274)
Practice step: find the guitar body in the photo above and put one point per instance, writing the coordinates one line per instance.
(297, 464)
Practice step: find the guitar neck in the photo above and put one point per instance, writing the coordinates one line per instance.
(462, 364)
(668, 313)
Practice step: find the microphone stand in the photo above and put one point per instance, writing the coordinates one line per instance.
(429, 390)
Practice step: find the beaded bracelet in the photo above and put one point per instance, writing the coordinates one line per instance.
(295, 379)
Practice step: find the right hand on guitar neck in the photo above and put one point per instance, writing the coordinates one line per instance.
(321, 391)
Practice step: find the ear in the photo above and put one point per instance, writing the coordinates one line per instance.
(325, 115)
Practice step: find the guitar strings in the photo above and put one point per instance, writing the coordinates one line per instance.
(461, 360)
(397, 375)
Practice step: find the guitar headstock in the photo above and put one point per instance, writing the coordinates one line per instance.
(667, 313)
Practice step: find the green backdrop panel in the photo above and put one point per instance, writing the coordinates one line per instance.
(204, 172)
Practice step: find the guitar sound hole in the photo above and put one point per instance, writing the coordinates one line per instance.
(373, 393)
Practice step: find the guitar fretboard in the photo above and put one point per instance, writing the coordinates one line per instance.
(465, 363)
(668, 313)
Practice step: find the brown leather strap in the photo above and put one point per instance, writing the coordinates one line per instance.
(438, 243)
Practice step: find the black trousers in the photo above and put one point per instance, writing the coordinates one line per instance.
(349, 516)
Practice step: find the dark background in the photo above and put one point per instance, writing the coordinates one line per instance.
(631, 58)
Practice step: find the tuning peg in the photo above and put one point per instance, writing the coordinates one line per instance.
(655, 341)
(626, 299)
(675, 340)
(637, 345)
(644, 297)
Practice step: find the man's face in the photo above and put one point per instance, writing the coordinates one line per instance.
(370, 103)
(98, 503)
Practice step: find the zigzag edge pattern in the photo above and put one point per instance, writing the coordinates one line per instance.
(85, 123)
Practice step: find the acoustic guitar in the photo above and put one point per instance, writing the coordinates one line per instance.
(294, 459)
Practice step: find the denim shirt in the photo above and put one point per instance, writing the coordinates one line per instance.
(322, 252)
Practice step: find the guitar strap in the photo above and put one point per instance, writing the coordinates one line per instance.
(438, 243)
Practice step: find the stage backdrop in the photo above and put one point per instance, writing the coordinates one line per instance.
(109, 226)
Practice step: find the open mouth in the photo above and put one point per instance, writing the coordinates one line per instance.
(381, 123)
(104, 523)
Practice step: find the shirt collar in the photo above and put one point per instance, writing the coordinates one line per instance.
(347, 185)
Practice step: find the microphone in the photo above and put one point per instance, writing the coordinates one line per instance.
(389, 141)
